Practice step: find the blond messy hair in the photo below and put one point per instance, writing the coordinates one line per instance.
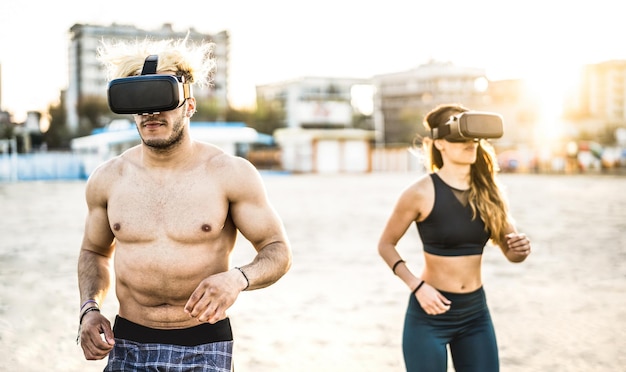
(196, 62)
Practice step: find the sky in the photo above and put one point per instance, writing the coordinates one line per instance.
(546, 42)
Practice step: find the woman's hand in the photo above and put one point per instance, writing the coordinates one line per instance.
(518, 247)
(432, 301)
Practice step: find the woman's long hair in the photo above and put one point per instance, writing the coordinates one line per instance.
(485, 196)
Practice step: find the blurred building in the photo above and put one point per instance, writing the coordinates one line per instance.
(313, 102)
(403, 98)
(325, 150)
(319, 135)
(519, 110)
(600, 104)
(87, 78)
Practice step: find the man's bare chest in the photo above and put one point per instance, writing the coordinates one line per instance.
(179, 212)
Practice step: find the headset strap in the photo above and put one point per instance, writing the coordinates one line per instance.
(440, 131)
(150, 65)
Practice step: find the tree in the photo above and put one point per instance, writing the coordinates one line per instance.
(57, 136)
(243, 116)
(207, 110)
(361, 121)
(6, 127)
(268, 117)
(404, 130)
(93, 112)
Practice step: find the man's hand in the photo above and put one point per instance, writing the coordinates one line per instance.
(214, 295)
(94, 347)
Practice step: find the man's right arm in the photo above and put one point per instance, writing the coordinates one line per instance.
(94, 268)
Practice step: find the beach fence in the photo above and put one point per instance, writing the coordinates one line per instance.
(77, 166)
(41, 166)
(396, 159)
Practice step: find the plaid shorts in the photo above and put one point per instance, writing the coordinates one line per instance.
(139, 348)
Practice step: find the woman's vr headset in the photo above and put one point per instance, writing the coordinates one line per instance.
(468, 126)
(148, 93)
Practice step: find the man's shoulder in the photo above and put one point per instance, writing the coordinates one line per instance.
(113, 167)
(218, 159)
(233, 172)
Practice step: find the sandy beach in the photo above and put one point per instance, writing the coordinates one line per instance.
(340, 308)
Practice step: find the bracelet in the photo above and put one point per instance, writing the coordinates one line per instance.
(80, 321)
(418, 287)
(393, 269)
(87, 302)
(245, 276)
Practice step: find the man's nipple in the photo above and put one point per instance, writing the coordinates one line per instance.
(117, 226)
(206, 227)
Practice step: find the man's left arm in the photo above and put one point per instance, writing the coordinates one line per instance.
(259, 223)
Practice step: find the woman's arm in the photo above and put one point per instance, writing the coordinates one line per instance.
(406, 210)
(516, 246)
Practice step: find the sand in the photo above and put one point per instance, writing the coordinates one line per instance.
(340, 308)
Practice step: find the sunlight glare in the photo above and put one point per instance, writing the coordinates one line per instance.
(549, 90)
(363, 98)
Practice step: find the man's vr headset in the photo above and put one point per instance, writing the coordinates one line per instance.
(148, 93)
(468, 126)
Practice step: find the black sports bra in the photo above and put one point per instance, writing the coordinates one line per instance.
(449, 229)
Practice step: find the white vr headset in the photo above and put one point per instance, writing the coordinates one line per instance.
(470, 125)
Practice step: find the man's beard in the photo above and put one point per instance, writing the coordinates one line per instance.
(172, 141)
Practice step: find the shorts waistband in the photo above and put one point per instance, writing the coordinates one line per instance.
(205, 333)
(478, 293)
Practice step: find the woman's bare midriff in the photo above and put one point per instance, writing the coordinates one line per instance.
(457, 274)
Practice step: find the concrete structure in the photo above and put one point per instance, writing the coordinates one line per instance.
(87, 77)
(319, 115)
(325, 150)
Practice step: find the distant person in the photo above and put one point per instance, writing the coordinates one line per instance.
(457, 207)
(164, 217)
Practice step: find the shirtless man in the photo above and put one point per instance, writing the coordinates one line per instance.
(169, 211)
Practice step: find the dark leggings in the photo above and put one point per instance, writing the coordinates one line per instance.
(466, 327)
